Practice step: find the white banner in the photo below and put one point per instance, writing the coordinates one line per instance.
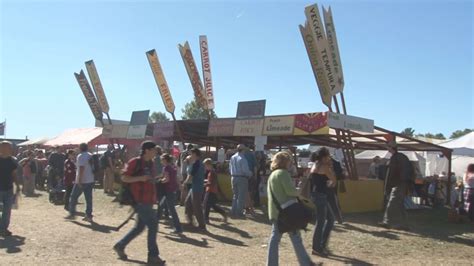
(136, 132)
(206, 71)
(317, 28)
(334, 48)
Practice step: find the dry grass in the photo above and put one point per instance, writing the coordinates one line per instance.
(41, 235)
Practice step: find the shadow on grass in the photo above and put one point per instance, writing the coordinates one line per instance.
(347, 260)
(96, 227)
(139, 262)
(227, 227)
(190, 241)
(12, 244)
(424, 223)
(384, 234)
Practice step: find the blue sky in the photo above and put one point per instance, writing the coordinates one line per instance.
(406, 63)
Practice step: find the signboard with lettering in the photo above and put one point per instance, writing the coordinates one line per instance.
(334, 48)
(316, 65)
(160, 80)
(248, 127)
(193, 74)
(221, 127)
(89, 95)
(138, 124)
(311, 124)
(251, 109)
(115, 131)
(97, 86)
(206, 71)
(260, 142)
(341, 121)
(278, 125)
(163, 130)
(316, 27)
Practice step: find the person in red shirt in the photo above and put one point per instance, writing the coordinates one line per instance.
(212, 189)
(142, 184)
(69, 177)
(170, 183)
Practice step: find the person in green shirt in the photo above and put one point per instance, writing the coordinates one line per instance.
(282, 188)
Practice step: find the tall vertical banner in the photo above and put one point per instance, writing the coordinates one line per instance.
(334, 48)
(317, 29)
(316, 65)
(160, 80)
(97, 86)
(193, 74)
(90, 98)
(206, 71)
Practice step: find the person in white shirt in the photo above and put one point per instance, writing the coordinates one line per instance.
(84, 183)
(374, 168)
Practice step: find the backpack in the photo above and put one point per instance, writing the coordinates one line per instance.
(125, 196)
(103, 161)
(94, 163)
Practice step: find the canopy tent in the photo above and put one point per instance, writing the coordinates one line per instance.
(32, 142)
(92, 136)
(461, 146)
(74, 137)
(365, 158)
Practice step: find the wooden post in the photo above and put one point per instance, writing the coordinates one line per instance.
(448, 200)
(180, 135)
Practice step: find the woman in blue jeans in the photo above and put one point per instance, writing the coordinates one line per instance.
(283, 190)
(322, 179)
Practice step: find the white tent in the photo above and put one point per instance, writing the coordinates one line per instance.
(365, 158)
(31, 142)
(461, 146)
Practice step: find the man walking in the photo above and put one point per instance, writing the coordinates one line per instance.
(398, 178)
(240, 172)
(84, 183)
(194, 199)
(107, 162)
(56, 164)
(140, 174)
(8, 168)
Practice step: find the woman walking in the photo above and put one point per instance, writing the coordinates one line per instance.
(469, 192)
(322, 179)
(69, 177)
(281, 186)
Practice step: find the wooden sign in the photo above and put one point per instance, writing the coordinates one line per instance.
(248, 127)
(316, 65)
(278, 125)
(206, 71)
(317, 29)
(163, 130)
(160, 80)
(97, 86)
(334, 48)
(341, 121)
(89, 95)
(251, 109)
(221, 127)
(193, 74)
(311, 124)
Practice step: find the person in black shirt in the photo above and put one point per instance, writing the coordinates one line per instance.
(56, 162)
(8, 168)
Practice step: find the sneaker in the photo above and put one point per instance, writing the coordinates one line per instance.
(87, 219)
(120, 252)
(70, 217)
(5, 233)
(321, 253)
(155, 261)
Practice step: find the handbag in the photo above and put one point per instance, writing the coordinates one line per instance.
(294, 216)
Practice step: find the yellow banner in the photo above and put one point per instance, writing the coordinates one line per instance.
(206, 71)
(97, 86)
(193, 74)
(160, 80)
(334, 48)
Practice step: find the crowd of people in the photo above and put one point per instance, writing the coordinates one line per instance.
(155, 177)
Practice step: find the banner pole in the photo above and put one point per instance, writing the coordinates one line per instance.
(180, 135)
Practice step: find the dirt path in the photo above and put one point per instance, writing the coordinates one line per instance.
(41, 235)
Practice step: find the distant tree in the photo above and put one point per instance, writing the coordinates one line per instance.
(434, 136)
(459, 133)
(409, 132)
(192, 110)
(156, 117)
